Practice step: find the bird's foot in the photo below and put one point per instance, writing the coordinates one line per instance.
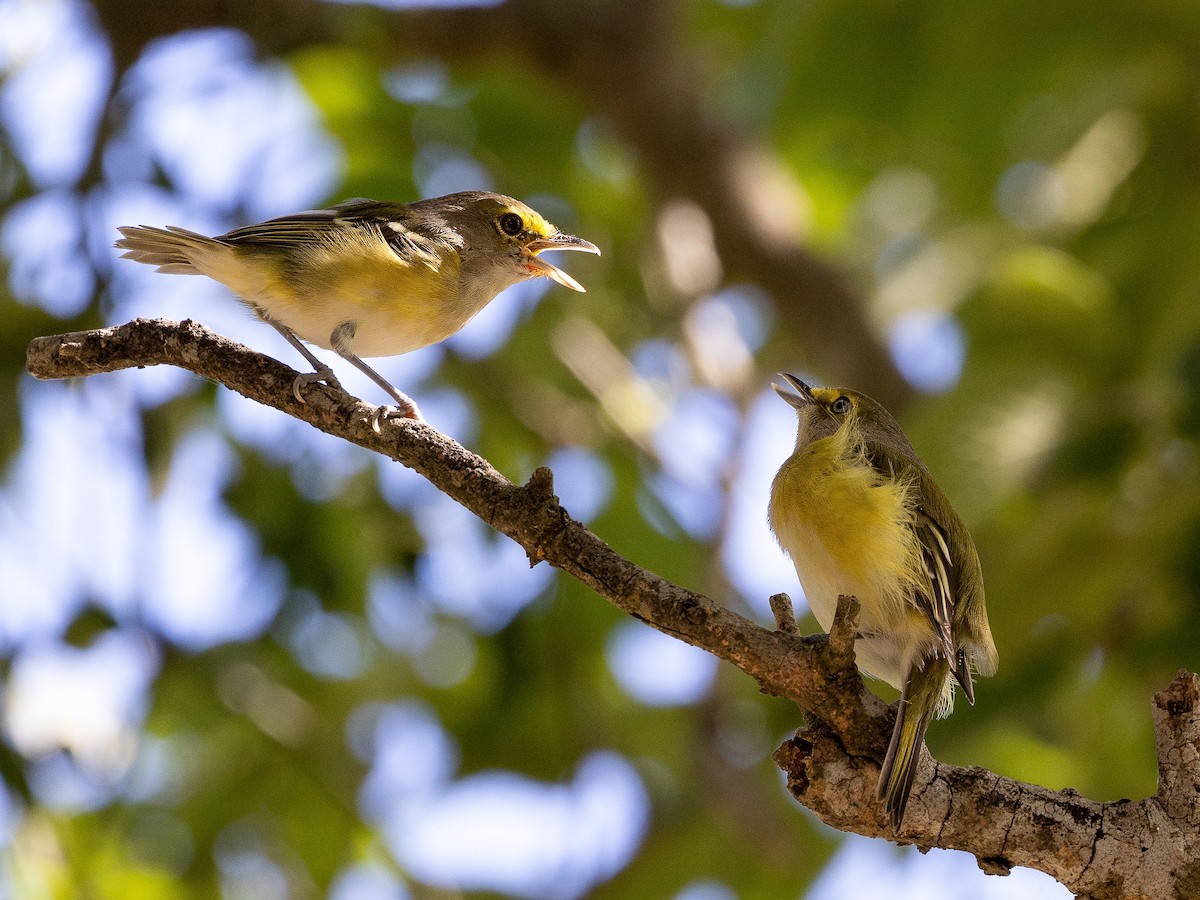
(402, 411)
(324, 374)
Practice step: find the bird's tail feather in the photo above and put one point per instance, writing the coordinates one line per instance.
(921, 695)
(171, 249)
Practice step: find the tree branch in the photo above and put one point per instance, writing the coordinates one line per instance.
(1125, 849)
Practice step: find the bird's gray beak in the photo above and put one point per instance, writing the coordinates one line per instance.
(795, 392)
(557, 241)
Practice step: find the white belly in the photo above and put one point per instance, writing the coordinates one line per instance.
(876, 654)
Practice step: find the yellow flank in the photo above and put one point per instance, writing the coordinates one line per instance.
(398, 304)
(362, 266)
(867, 545)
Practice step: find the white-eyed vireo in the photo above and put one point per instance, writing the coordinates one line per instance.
(860, 515)
(367, 278)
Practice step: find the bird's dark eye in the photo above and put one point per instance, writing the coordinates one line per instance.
(840, 405)
(511, 224)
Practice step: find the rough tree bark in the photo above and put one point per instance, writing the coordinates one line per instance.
(1109, 851)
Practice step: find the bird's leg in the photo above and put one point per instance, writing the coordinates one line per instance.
(322, 373)
(342, 340)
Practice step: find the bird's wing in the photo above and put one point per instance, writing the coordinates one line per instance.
(392, 222)
(935, 553)
(938, 602)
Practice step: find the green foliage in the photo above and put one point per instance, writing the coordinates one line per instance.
(944, 151)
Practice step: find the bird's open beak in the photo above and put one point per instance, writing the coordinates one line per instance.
(800, 395)
(558, 241)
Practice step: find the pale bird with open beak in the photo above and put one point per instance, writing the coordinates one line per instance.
(366, 278)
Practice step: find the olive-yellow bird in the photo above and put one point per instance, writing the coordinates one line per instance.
(367, 278)
(859, 514)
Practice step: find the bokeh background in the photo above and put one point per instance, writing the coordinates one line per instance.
(242, 659)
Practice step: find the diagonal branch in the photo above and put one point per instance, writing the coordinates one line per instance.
(1147, 848)
(784, 664)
